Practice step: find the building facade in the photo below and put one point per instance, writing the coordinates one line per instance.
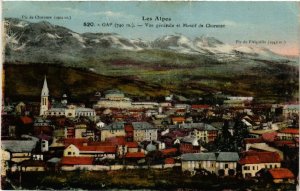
(220, 163)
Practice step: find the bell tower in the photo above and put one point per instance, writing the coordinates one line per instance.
(44, 98)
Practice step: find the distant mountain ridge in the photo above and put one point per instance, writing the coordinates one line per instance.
(21, 36)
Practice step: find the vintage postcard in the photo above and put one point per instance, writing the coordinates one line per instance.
(150, 95)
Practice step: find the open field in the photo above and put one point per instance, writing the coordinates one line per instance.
(137, 179)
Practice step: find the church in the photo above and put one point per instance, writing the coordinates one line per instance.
(70, 111)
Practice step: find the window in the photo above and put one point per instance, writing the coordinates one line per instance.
(226, 165)
(253, 168)
(69, 153)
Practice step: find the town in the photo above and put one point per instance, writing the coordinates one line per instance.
(229, 136)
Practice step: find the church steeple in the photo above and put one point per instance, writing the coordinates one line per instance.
(45, 90)
(44, 98)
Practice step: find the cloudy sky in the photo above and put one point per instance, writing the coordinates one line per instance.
(244, 21)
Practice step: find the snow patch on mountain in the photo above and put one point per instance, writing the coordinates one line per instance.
(53, 36)
(258, 52)
(95, 40)
(78, 37)
(21, 24)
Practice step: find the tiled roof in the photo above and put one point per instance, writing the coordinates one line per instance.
(228, 156)
(57, 109)
(18, 146)
(190, 139)
(135, 155)
(199, 126)
(279, 173)
(169, 151)
(269, 137)
(104, 143)
(175, 133)
(118, 140)
(253, 157)
(289, 131)
(114, 126)
(198, 157)
(113, 91)
(142, 125)
(118, 116)
(132, 144)
(220, 156)
(102, 149)
(178, 119)
(75, 141)
(26, 120)
(150, 147)
(169, 161)
(77, 161)
(200, 106)
(253, 140)
(54, 160)
(84, 109)
(293, 106)
(250, 160)
(288, 143)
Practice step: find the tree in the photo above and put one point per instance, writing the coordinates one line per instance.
(240, 133)
(231, 172)
(221, 172)
(223, 141)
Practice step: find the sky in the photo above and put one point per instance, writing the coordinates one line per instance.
(244, 21)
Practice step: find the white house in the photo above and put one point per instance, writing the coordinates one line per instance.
(220, 163)
(252, 162)
(144, 131)
(99, 152)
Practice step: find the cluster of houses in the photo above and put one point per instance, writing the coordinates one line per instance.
(118, 133)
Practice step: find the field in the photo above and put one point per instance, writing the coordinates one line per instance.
(167, 179)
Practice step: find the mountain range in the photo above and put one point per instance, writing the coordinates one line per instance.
(22, 36)
(174, 62)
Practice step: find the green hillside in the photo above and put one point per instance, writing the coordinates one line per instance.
(276, 83)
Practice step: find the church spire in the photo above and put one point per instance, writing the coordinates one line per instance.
(44, 98)
(45, 90)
